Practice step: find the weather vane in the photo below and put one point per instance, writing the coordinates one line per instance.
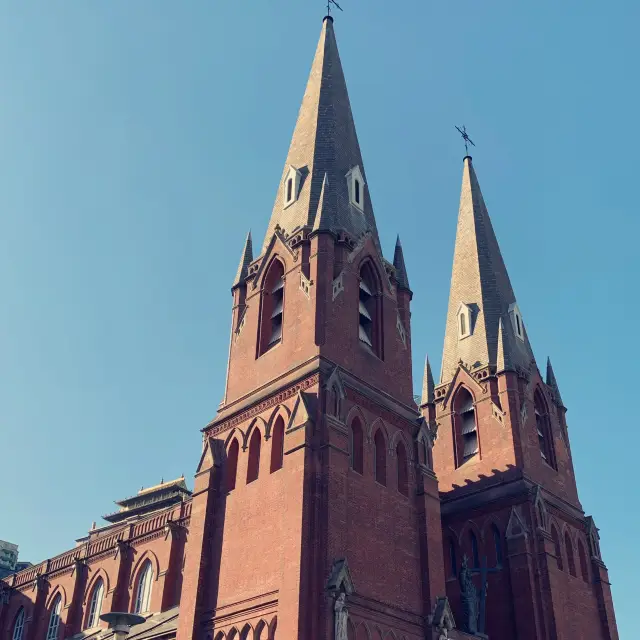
(331, 3)
(467, 140)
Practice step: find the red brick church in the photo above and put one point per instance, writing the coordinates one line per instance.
(329, 503)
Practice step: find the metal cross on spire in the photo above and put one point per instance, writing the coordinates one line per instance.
(331, 3)
(467, 140)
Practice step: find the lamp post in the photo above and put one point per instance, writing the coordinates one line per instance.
(121, 623)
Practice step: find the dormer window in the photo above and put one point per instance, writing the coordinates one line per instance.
(464, 321)
(355, 183)
(291, 186)
(516, 321)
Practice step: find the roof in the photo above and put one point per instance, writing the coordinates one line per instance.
(324, 148)
(480, 280)
(158, 625)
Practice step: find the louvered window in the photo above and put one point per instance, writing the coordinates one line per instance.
(272, 307)
(368, 314)
(543, 431)
(468, 429)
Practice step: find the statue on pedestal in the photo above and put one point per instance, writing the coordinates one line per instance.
(341, 615)
(470, 599)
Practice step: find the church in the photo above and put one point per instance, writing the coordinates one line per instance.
(330, 503)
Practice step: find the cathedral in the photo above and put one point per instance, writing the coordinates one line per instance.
(329, 502)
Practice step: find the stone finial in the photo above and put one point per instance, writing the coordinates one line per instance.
(245, 260)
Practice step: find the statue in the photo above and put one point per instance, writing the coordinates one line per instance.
(341, 615)
(470, 598)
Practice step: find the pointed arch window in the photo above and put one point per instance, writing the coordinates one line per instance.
(291, 186)
(272, 312)
(143, 590)
(466, 427)
(403, 474)
(380, 457)
(571, 561)
(95, 604)
(18, 626)
(357, 446)
(253, 466)
(369, 312)
(54, 619)
(277, 445)
(355, 183)
(232, 464)
(545, 439)
(453, 563)
(475, 555)
(584, 569)
(497, 542)
(557, 547)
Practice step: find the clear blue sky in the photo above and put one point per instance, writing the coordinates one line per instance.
(139, 141)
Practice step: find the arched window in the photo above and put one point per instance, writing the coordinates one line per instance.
(277, 445)
(453, 563)
(219, 635)
(368, 310)
(381, 458)
(571, 561)
(246, 631)
(54, 619)
(356, 183)
(584, 569)
(272, 313)
(545, 439)
(232, 464)
(356, 446)
(557, 547)
(289, 190)
(403, 474)
(475, 556)
(95, 605)
(143, 589)
(253, 466)
(262, 631)
(497, 542)
(466, 427)
(463, 325)
(18, 625)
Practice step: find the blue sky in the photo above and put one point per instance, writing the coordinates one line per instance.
(139, 141)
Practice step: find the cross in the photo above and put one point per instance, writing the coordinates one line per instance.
(467, 140)
(331, 3)
(483, 571)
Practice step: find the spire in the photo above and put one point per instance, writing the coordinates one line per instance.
(323, 216)
(480, 281)
(401, 270)
(324, 143)
(552, 383)
(245, 261)
(428, 385)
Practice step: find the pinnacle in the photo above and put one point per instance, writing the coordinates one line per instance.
(428, 386)
(401, 269)
(552, 382)
(245, 261)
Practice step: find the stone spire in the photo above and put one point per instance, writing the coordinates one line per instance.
(401, 270)
(428, 386)
(552, 383)
(480, 281)
(324, 143)
(245, 261)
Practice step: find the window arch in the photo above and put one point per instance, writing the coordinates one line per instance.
(143, 588)
(357, 446)
(466, 436)
(403, 474)
(571, 561)
(277, 444)
(246, 631)
(253, 466)
(18, 625)
(380, 457)
(272, 312)
(557, 547)
(453, 562)
(369, 310)
(54, 618)
(232, 464)
(95, 605)
(584, 569)
(475, 555)
(497, 543)
(545, 438)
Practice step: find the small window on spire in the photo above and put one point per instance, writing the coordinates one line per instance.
(464, 320)
(516, 321)
(355, 183)
(291, 186)
(289, 189)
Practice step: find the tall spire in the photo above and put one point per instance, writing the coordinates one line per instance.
(245, 260)
(401, 269)
(324, 143)
(552, 383)
(480, 285)
(428, 386)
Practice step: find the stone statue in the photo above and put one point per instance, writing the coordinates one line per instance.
(341, 615)
(470, 599)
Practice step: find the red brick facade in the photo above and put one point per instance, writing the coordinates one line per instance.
(319, 484)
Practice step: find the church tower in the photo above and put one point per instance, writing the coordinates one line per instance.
(503, 459)
(315, 502)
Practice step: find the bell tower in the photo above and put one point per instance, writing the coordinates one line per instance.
(315, 497)
(503, 458)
